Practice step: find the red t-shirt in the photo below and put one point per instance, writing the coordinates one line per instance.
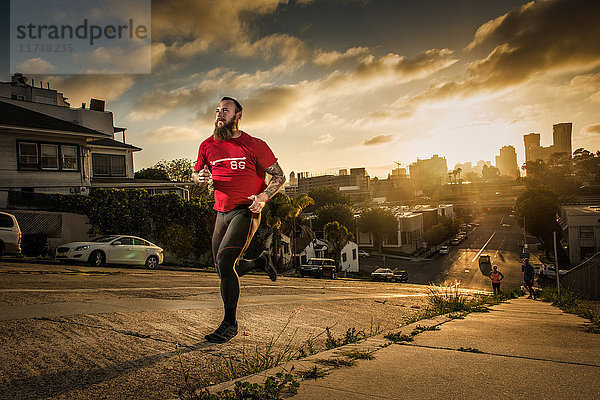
(238, 168)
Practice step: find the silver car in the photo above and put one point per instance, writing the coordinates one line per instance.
(10, 234)
(116, 249)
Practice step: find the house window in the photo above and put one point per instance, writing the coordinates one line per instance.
(16, 96)
(28, 155)
(49, 156)
(344, 257)
(69, 158)
(586, 232)
(354, 254)
(108, 165)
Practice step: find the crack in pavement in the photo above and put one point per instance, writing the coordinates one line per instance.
(501, 355)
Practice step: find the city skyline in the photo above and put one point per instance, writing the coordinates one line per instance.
(343, 84)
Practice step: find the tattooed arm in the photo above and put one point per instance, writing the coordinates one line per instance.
(277, 181)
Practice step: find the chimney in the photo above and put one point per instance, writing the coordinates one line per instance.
(83, 106)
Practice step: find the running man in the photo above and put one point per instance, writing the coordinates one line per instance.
(238, 163)
(496, 276)
(528, 277)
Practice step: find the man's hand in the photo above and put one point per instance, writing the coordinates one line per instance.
(202, 177)
(258, 202)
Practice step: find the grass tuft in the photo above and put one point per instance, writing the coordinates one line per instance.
(336, 362)
(399, 337)
(359, 355)
(312, 373)
(470, 350)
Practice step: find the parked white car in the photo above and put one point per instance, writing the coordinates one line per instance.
(362, 253)
(10, 234)
(116, 249)
(444, 249)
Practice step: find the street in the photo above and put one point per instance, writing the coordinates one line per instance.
(497, 236)
(76, 332)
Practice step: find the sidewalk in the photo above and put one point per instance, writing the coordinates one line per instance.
(522, 349)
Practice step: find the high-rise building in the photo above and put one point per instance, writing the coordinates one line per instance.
(561, 137)
(532, 146)
(434, 169)
(506, 162)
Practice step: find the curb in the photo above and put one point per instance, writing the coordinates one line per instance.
(370, 345)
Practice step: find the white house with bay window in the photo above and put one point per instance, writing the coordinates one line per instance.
(48, 147)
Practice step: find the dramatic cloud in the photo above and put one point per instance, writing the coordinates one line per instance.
(173, 133)
(290, 50)
(379, 139)
(324, 139)
(80, 88)
(322, 58)
(592, 128)
(535, 39)
(392, 69)
(196, 91)
(193, 26)
(35, 65)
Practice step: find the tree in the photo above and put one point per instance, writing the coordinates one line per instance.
(436, 235)
(490, 173)
(152, 173)
(327, 195)
(342, 213)
(381, 222)
(178, 170)
(285, 215)
(537, 209)
(337, 236)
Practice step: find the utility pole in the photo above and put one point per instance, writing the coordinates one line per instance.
(556, 264)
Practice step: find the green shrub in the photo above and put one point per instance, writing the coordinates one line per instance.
(35, 245)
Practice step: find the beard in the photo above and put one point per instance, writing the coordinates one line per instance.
(225, 131)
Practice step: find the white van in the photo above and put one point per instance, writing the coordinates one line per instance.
(10, 234)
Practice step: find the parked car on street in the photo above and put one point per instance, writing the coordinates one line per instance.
(382, 274)
(319, 267)
(362, 253)
(400, 275)
(10, 234)
(114, 249)
(444, 249)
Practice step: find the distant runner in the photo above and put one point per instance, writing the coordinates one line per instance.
(238, 163)
(496, 276)
(528, 277)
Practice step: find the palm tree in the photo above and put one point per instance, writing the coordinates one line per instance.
(292, 215)
(337, 237)
(284, 215)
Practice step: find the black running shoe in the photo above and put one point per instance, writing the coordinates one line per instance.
(224, 333)
(269, 268)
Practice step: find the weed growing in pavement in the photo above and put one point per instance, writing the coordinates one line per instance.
(359, 355)
(275, 387)
(421, 328)
(336, 362)
(399, 337)
(312, 373)
(469, 350)
(352, 336)
(375, 330)
(570, 302)
(456, 316)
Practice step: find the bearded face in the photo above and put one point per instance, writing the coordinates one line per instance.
(226, 130)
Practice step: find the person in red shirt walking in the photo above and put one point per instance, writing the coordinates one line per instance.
(238, 164)
(496, 276)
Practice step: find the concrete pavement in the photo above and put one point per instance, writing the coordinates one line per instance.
(522, 349)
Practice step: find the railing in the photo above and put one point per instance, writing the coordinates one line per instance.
(585, 278)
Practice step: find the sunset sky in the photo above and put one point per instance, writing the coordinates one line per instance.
(333, 84)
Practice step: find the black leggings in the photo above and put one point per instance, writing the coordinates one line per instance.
(232, 235)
